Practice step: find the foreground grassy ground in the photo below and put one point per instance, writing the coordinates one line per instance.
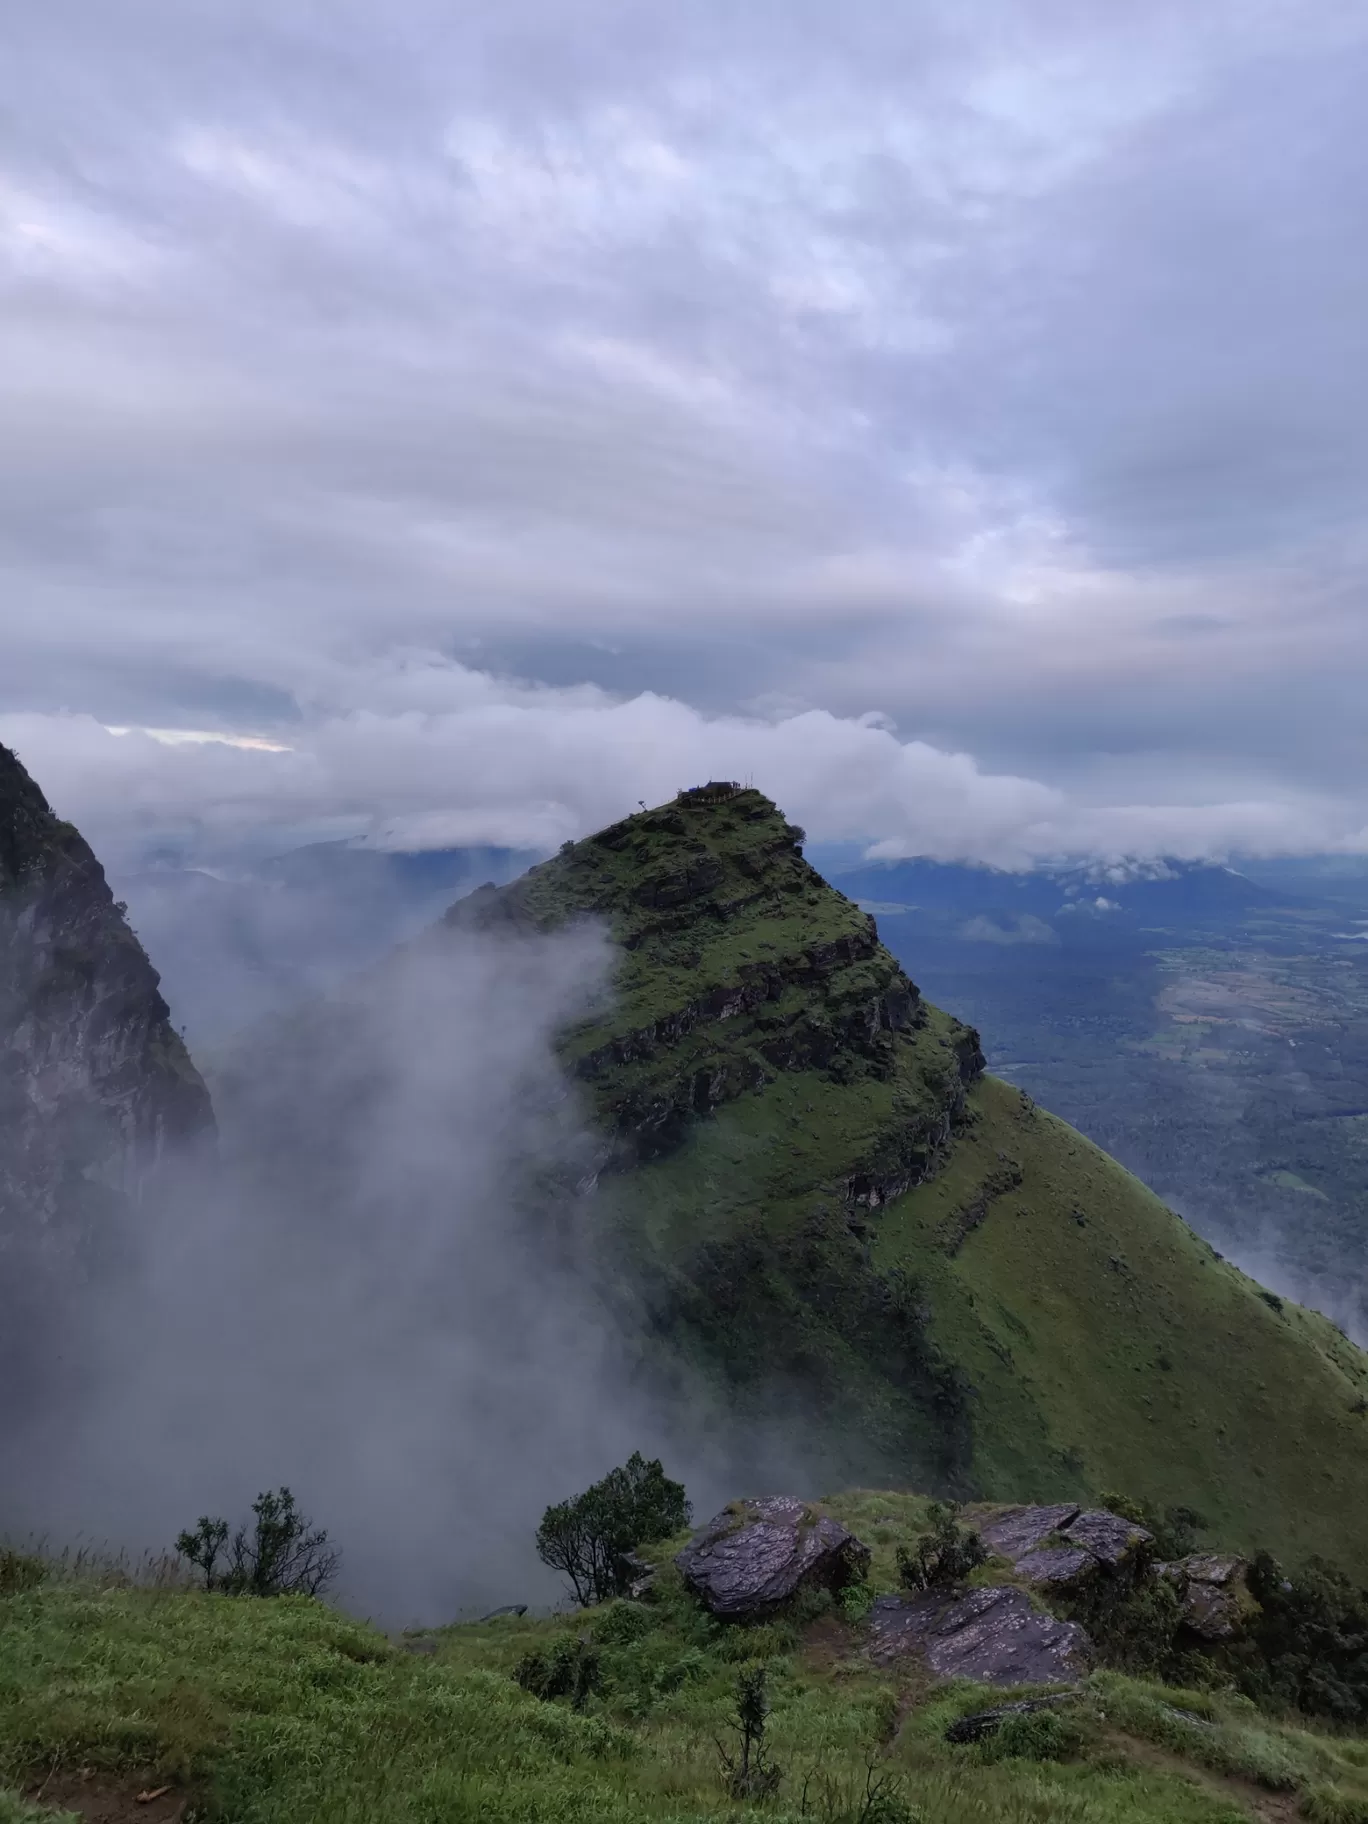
(263, 1712)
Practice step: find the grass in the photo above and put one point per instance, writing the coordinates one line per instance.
(1100, 1330)
(285, 1712)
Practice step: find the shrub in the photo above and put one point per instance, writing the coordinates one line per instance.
(624, 1622)
(1133, 1620)
(878, 1799)
(945, 1555)
(19, 1571)
(280, 1555)
(749, 1774)
(855, 1601)
(586, 1536)
(1175, 1529)
(571, 1668)
(1309, 1640)
(1033, 1735)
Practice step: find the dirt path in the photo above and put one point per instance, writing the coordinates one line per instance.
(101, 1799)
(1267, 1807)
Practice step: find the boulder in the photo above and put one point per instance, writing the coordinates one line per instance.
(992, 1635)
(1110, 1539)
(1216, 1597)
(1056, 1567)
(984, 1723)
(1019, 1530)
(637, 1576)
(1085, 1542)
(756, 1554)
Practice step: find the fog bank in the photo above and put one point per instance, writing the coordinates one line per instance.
(381, 1294)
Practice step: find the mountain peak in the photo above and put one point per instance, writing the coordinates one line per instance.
(737, 964)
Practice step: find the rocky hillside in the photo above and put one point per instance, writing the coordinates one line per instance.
(95, 1085)
(816, 1194)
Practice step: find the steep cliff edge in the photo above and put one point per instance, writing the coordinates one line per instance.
(815, 1194)
(95, 1084)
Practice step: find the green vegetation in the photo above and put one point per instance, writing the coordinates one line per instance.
(943, 1556)
(816, 1200)
(281, 1555)
(587, 1537)
(284, 1712)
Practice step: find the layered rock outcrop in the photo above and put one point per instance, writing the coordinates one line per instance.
(1060, 1547)
(994, 1635)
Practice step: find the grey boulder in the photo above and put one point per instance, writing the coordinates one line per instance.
(756, 1554)
(1110, 1539)
(992, 1635)
(1057, 1567)
(1085, 1542)
(1215, 1595)
(1019, 1530)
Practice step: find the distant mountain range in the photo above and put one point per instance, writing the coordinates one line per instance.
(1052, 905)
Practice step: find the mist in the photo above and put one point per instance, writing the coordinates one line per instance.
(236, 943)
(382, 1293)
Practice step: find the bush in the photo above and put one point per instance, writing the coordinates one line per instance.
(280, 1555)
(748, 1773)
(19, 1571)
(1033, 1735)
(571, 1668)
(855, 1601)
(1133, 1620)
(1309, 1641)
(624, 1622)
(587, 1536)
(945, 1555)
(1175, 1529)
(877, 1799)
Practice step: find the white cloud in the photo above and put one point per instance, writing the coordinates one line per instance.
(469, 758)
(994, 370)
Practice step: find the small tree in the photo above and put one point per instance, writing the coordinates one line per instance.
(280, 1555)
(945, 1555)
(587, 1536)
(749, 1772)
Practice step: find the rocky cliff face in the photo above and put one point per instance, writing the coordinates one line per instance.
(739, 966)
(95, 1084)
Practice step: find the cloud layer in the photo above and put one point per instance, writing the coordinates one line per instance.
(532, 769)
(830, 393)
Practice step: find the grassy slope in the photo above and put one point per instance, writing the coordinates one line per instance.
(991, 1342)
(286, 1713)
(1126, 1338)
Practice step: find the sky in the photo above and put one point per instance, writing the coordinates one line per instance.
(440, 425)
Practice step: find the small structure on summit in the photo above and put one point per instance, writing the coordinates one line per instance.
(716, 791)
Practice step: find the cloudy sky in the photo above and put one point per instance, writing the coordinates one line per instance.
(480, 417)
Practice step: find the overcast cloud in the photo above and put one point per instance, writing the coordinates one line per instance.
(951, 416)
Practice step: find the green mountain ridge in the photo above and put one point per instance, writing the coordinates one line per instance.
(822, 1201)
